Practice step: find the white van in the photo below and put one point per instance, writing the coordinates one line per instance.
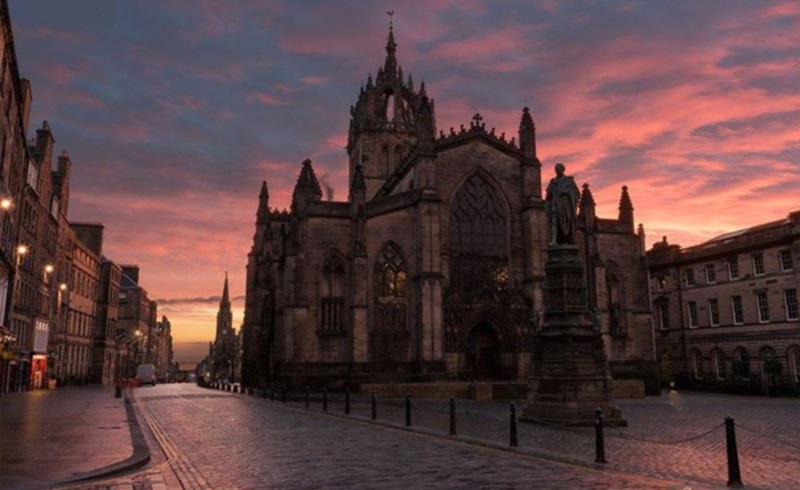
(146, 374)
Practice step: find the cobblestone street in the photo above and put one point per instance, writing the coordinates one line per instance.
(215, 439)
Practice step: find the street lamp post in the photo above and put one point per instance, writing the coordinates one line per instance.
(63, 301)
(21, 250)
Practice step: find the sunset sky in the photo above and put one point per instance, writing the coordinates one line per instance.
(174, 111)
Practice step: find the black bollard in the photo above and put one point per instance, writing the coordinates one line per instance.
(408, 410)
(734, 475)
(307, 394)
(272, 392)
(118, 391)
(599, 442)
(324, 399)
(283, 393)
(347, 401)
(452, 416)
(512, 433)
(374, 407)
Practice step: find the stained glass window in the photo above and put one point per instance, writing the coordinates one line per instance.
(478, 238)
(390, 289)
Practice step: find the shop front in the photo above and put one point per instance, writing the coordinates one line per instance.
(38, 378)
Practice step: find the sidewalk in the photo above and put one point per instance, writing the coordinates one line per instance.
(49, 437)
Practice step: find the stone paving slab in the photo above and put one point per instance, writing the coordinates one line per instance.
(50, 436)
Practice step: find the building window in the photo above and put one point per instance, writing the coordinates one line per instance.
(736, 308)
(33, 176)
(733, 268)
(387, 166)
(478, 239)
(758, 264)
(786, 260)
(332, 296)
(790, 302)
(711, 274)
(692, 314)
(794, 363)
(762, 302)
(713, 312)
(390, 338)
(390, 289)
(718, 361)
(661, 283)
(688, 277)
(741, 363)
(663, 317)
(697, 364)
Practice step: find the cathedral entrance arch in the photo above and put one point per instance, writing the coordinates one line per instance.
(483, 351)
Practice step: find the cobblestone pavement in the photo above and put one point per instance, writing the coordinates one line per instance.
(215, 439)
(221, 440)
(674, 436)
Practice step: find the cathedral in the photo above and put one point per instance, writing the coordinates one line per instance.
(433, 269)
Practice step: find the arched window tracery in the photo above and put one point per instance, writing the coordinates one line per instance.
(478, 238)
(389, 277)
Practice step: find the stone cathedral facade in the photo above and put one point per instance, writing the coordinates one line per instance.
(434, 266)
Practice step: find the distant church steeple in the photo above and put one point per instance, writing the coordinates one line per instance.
(225, 341)
(225, 303)
(387, 121)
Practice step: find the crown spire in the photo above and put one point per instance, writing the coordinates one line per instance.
(390, 66)
(391, 46)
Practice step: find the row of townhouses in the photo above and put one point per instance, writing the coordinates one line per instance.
(68, 313)
(726, 311)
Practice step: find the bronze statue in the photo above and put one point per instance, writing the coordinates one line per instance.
(562, 202)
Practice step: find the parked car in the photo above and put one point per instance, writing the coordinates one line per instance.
(146, 374)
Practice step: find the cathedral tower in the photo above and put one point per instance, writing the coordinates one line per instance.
(386, 122)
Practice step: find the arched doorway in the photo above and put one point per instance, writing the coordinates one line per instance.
(482, 351)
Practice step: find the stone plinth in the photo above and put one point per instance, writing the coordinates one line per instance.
(569, 376)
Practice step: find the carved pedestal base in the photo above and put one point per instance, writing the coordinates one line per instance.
(569, 377)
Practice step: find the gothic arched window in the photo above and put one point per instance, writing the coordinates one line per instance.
(616, 300)
(385, 160)
(389, 279)
(478, 238)
(332, 296)
(398, 155)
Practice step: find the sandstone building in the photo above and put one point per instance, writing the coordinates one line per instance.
(726, 308)
(137, 322)
(433, 267)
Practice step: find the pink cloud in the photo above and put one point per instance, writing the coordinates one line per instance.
(265, 98)
(311, 80)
